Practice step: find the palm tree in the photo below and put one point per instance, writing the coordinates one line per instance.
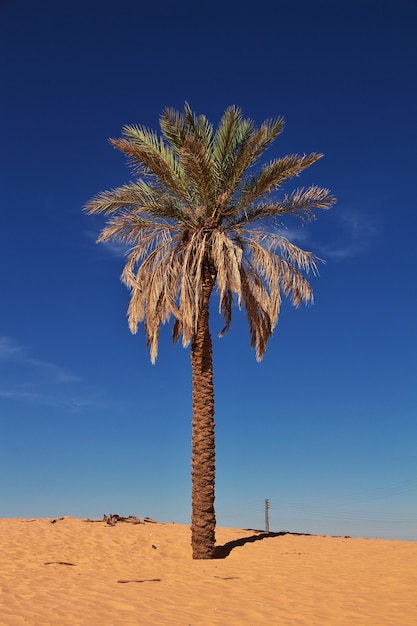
(196, 220)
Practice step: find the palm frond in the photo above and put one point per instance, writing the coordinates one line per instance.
(227, 259)
(154, 287)
(199, 127)
(131, 195)
(253, 143)
(226, 309)
(173, 127)
(138, 197)
(197, 164)
(273, 175)
(149, 155)
(256, 297)
(305, 261)
(300, 202)
(191, 290)
(280, 274)
(269, 131)
(231, 132)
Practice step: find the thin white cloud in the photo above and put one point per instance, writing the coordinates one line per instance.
(118, 250)
(354, 235)
(297, 236)
(48, 399)
(113, 248)
(27, 379)
(10, 352)
(345, 234)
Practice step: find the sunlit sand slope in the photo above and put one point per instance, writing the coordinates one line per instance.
(70, 572)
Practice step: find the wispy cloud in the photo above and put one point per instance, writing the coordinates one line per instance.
(10, 352)
(354, 235)
(48, 399)
(297, 235)
(113, 248)
(345, 234)
(118, 250)
(36, 381)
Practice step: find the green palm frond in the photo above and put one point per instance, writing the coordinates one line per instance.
(144, 137)
(132, 228)
(108, 202)
(136, 196)
(197, 165)
(249, 149)
(232, 134)
(174, 128)
(269, 131)
(228, 133)
(273, 175)
(300, 203)
(199, 127)
(151, 156)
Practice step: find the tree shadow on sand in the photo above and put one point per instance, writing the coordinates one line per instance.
(221, 552)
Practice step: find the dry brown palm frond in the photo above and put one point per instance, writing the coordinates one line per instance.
(226, 308)
(227, 259)
(303, 259)
(256, 300)
(149, 247)
(131, 228)
(187, 293)
(147, 281)
(198, 256)
(281, 274)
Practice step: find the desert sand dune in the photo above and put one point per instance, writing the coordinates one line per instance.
(70, 572)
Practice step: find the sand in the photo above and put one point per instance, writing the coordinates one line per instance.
(72, 572)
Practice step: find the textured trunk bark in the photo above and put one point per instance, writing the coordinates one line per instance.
(203, 519)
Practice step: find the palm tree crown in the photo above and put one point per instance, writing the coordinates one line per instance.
(195, 213)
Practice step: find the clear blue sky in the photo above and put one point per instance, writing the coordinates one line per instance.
(325, 426)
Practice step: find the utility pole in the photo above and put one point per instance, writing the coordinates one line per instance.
(267, 515)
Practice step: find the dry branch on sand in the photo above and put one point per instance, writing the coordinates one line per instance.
(113, 519)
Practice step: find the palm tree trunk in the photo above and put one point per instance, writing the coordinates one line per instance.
(203, 519)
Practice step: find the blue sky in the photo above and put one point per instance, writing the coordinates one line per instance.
(325, 426)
